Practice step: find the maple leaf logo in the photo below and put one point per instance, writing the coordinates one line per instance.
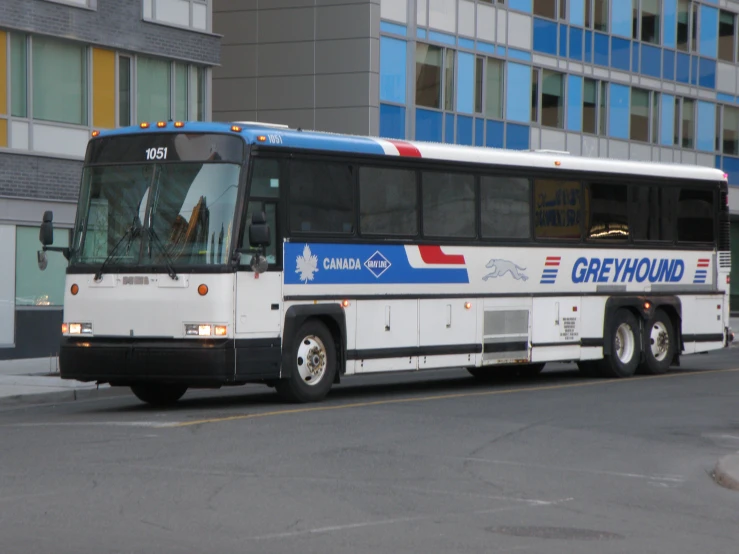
(307, 265)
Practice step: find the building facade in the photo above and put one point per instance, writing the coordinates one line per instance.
(68, 67)
(652, 80)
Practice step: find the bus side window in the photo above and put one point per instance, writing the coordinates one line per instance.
(321, 197)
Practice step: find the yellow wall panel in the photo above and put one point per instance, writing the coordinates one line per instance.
(3, 73)
(103, 88)
(3, 133)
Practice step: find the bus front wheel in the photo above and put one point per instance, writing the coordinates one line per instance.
(158, 394)
(313, 365)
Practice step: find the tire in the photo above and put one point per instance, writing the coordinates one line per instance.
(158, 394)
(313, 366)
(624, 340)
(659, 344)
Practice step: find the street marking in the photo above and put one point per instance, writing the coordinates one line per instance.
(408, 400)
(658, 478)
(155, 424)
(394, 521)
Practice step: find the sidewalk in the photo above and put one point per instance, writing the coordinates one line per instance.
(37, 380)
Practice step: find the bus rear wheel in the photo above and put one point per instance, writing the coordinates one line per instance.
(313, 356)
(158, 394)
(659, 344)
(624, 343)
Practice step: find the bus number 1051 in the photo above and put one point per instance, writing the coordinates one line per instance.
(156, 153)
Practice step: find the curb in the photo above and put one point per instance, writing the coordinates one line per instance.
(726, 472)
(57, 397)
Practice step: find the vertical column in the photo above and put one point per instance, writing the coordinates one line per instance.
(3, 89)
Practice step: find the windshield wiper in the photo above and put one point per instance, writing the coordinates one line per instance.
(154, 239)
(131, 233)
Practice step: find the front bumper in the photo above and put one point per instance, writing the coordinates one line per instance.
(196, 363)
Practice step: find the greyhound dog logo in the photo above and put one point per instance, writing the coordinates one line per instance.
(501, 267)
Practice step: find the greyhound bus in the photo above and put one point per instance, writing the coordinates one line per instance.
(214, 254)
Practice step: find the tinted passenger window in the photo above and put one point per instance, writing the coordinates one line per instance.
(557, 209)
(504, 207)
(321, 197)
(387, 201)
(448, 204)
(608, 216)
(653, 212)
(695, 216)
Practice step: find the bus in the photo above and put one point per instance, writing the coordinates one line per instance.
(213, 254)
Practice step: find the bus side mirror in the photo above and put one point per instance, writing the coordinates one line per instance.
(259, 230)
(46, 233)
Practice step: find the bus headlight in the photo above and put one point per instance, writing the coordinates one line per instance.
(79, 328)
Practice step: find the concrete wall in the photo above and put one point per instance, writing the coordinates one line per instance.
(312, 64)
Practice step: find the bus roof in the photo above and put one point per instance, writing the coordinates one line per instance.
(280, 136)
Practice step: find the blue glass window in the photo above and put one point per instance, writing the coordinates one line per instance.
(563, 40)
(601, 49)
(731, 166)
(707, 73)
(479, 132)
(576, 43)
(521, 5)
(394, 28)
(517, 137)
(574, 102)
(494, 135)
(449, 128)
(683, 68)
(518, 93)
(635, 57)
(670, 18)
(465, 82)
(392, 121)
(428, 125)
(545, 36)
(577, 12)
(651, 58)
(620, 53)
(464, 130)
(618, 119)
(708, 28)
(667, 120)
(668, 58)
(393, 70)
(621, 18)
(694, 70)
(589, 46)
(706, 126)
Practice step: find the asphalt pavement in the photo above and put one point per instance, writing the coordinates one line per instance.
(430, 462)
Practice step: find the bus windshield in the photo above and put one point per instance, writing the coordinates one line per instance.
(146, 213)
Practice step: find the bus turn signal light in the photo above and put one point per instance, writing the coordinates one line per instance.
(235, 128)
(74, 289)
(95, 133)
(161, 124)
(345, 303)
(179, 124)
(144, 125)
(220, 330)
(203, 290)
(65, 328)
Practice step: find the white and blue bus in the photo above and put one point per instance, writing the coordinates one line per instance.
(214, 254)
